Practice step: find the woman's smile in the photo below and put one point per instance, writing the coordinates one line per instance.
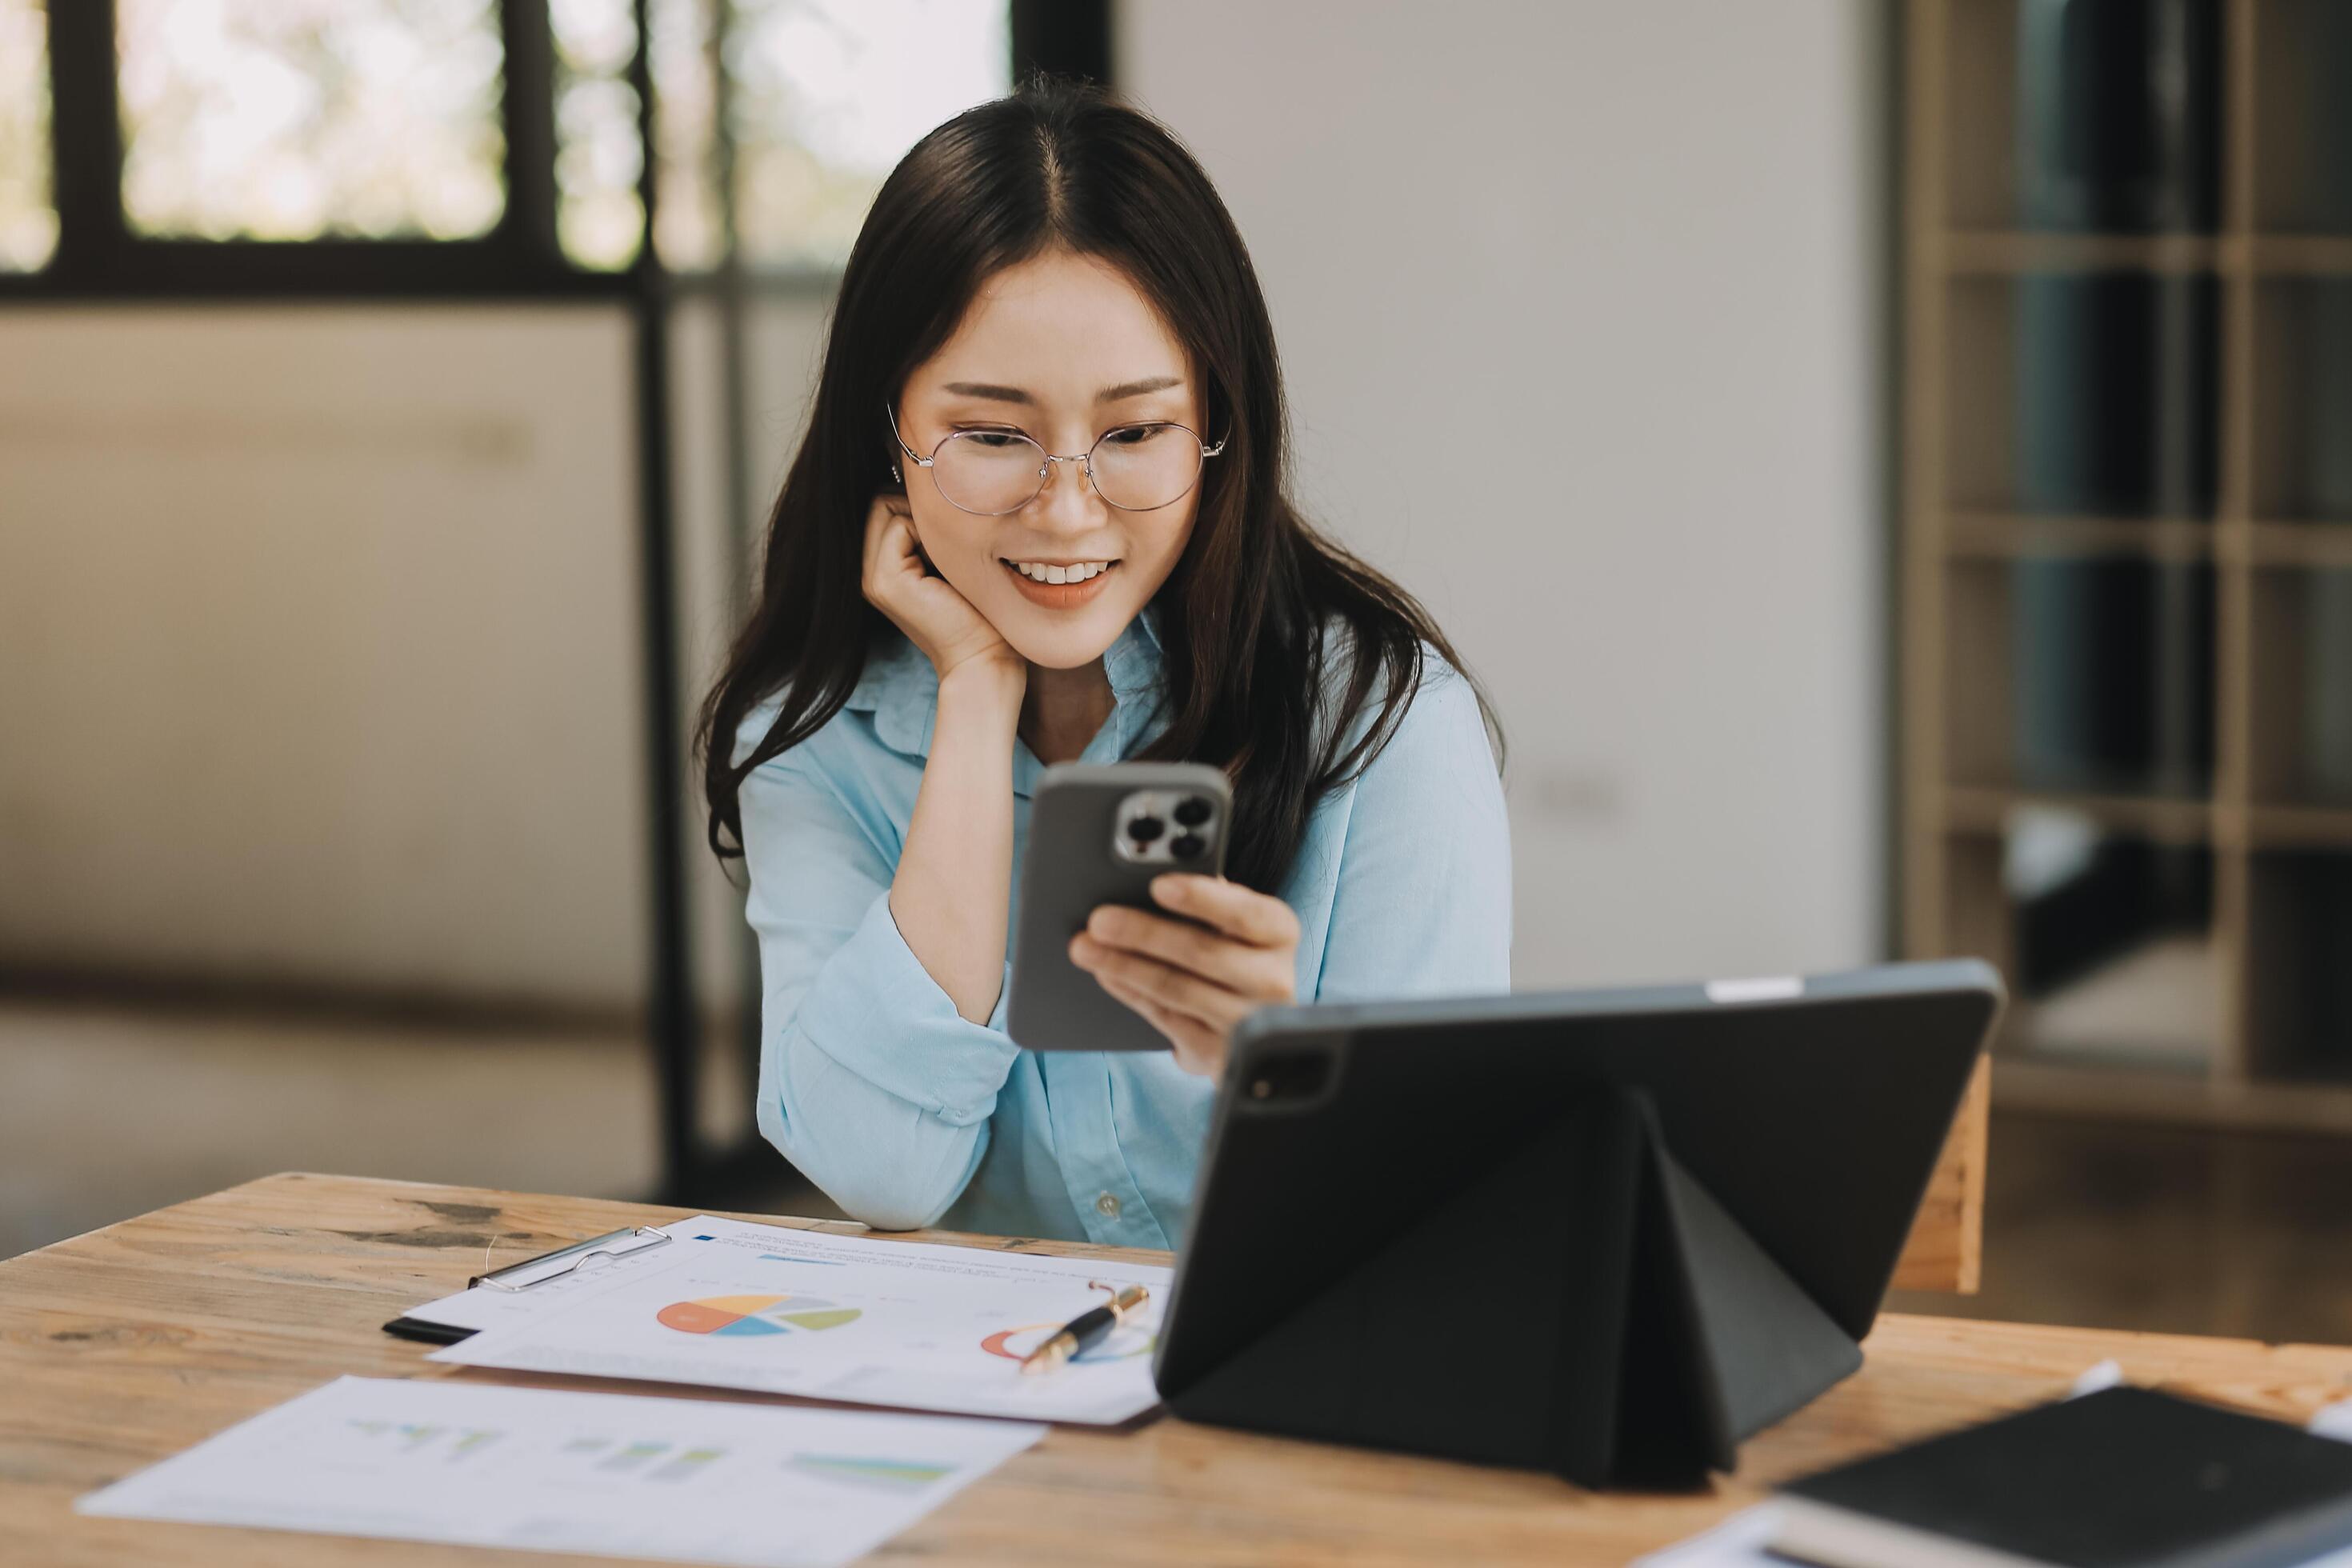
(1059, 584)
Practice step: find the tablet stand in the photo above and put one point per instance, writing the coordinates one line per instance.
(1582, 1306)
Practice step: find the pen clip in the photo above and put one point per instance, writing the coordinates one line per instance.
(645, 1237)
(1118, 1305)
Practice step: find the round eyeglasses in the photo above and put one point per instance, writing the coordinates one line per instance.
(1135, 468)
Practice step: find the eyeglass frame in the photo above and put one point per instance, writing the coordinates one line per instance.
(1086, 461)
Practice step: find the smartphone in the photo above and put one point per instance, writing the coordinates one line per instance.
(1098, 836)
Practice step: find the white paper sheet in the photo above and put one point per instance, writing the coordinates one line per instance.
(844, 1316)
(683, 1481)
(1743, 1540)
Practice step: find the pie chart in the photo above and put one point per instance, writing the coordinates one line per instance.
(747, 1315)
(1122, 1342)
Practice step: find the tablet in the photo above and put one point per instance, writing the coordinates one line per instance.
(1811, 1112)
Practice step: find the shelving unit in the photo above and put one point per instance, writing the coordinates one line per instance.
(2234, 1012)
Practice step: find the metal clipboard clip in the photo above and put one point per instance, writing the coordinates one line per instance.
(627, 1242)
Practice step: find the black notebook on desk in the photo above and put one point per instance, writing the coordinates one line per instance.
(2126, 1477)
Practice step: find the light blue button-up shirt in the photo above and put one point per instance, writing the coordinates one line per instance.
(907, 1114)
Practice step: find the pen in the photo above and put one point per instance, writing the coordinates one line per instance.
(1083, 1330)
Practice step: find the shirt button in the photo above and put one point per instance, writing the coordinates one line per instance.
(1107, 1206)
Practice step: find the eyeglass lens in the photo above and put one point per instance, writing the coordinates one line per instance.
(1138, 467)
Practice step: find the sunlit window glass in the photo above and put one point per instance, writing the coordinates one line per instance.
(598, 158)
(828, 94)
(28, 215)
(295, 118)
(686, 224)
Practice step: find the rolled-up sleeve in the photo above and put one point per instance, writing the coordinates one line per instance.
(870, 1081)
(1421, 905)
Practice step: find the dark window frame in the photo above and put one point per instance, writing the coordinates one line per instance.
(98, 257)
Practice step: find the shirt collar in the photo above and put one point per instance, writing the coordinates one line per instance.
(901, 690)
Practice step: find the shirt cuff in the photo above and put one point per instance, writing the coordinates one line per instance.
(876, 1011)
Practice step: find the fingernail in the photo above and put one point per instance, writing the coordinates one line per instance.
(1082, 951)
(1167, 886)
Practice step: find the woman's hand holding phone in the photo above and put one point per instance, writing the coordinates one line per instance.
(926, 606)
(1192, 979)
(1194, 982)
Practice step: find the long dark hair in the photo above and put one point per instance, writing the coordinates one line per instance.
(1273, 638)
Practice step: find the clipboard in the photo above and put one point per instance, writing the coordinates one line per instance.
(627, 1242)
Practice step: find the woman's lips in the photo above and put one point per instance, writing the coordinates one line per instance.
(1058, 595)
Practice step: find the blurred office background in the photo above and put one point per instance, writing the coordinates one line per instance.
(1880, 455)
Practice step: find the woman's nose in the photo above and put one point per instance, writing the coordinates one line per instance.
(1068, 499)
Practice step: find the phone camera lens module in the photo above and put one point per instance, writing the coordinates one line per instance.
(1187, 847)
(1192, 811)
(1144, 829)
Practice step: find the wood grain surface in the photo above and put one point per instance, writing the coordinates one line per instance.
(1945, 1248)
(131, 1343)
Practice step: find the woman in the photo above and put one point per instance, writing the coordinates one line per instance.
(953, 597)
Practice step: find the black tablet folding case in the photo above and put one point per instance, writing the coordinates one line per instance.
(1606, 1234)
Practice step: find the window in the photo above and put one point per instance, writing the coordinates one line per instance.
(689, 230)
(599, 216)
(475, 147)
(29, 213)
(828, 94)
(304, 119)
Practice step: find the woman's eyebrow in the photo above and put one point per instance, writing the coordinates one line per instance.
(995, 394)
(1137, 388)
(984, 389)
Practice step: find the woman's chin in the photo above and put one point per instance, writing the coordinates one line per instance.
(1060, 639)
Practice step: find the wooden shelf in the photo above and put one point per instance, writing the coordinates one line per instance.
(2130, 1094)
(2246, 646)
(1981, 252)
(2000, 252)
(1972, 535)
(2317, 544)
(2301, 255)
(2300, 827)
(1979, 535)
(1985, 809)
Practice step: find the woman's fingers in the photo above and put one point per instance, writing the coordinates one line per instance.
(1242, 913)
(1195, 979)
(1199, 1049)
(890, 547)
(1178, 990)
(1263, 973)
(899, 582)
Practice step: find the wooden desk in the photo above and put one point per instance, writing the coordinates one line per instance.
(133, 1342)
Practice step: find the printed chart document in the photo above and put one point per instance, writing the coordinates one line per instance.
(684, 1480)
(847, 1318)
(490, 1307)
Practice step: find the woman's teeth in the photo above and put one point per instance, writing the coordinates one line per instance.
(1043, 574)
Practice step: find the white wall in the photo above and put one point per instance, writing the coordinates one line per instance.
(319, 641)
(316, 647)
(1575, 302)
